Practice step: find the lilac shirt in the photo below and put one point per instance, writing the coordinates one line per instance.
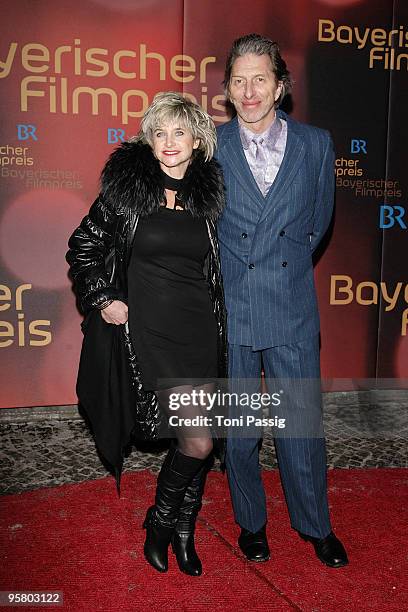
(265, 162)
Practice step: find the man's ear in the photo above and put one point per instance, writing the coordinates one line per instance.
(279, 90)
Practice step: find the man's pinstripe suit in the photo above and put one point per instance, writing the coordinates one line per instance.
(266, 254)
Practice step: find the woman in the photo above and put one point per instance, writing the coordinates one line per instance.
(160, 197)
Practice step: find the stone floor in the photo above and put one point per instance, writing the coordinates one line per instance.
(43, 447)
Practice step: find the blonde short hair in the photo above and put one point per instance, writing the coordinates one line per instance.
(171, 106)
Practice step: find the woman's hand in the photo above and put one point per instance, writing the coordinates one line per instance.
(116, 313)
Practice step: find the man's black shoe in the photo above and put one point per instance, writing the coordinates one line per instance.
(254, 545)
(329, 550)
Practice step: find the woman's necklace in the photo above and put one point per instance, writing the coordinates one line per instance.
(173, 184)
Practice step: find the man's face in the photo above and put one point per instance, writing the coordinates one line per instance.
(253, 90)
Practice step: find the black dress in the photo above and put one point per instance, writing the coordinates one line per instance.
(171, 320)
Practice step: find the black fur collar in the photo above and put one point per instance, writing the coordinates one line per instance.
(131, 179)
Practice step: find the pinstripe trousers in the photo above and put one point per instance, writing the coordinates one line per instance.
(301, 461)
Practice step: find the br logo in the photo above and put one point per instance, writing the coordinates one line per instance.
(116, 135)
(358, 146)
(389, 215)
(25, 131)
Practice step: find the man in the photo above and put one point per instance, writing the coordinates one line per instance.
(279, 177)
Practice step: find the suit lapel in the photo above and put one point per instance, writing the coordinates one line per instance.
(294, 153)
(235, 158)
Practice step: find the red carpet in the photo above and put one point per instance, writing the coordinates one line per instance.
(81, 539)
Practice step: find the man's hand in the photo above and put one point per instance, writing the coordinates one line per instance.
(116, 313)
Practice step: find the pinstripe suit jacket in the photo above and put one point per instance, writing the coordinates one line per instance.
(267, 243)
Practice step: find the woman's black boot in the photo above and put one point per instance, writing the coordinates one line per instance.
(183, 536)
(175, 475)
(158, 537)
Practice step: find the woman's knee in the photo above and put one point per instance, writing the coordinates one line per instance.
(198, 447)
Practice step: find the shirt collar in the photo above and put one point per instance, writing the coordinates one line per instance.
(270, 135)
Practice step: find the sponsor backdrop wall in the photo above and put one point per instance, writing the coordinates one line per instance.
(75, 79)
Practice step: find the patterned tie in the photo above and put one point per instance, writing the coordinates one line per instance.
(261, 162)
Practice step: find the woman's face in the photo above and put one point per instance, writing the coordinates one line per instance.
(173, 146)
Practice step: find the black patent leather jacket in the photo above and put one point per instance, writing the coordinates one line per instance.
(131, 186)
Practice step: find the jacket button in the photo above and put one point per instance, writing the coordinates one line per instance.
(244, 235)
(282, 233)
(284, 264)
(251, 266)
